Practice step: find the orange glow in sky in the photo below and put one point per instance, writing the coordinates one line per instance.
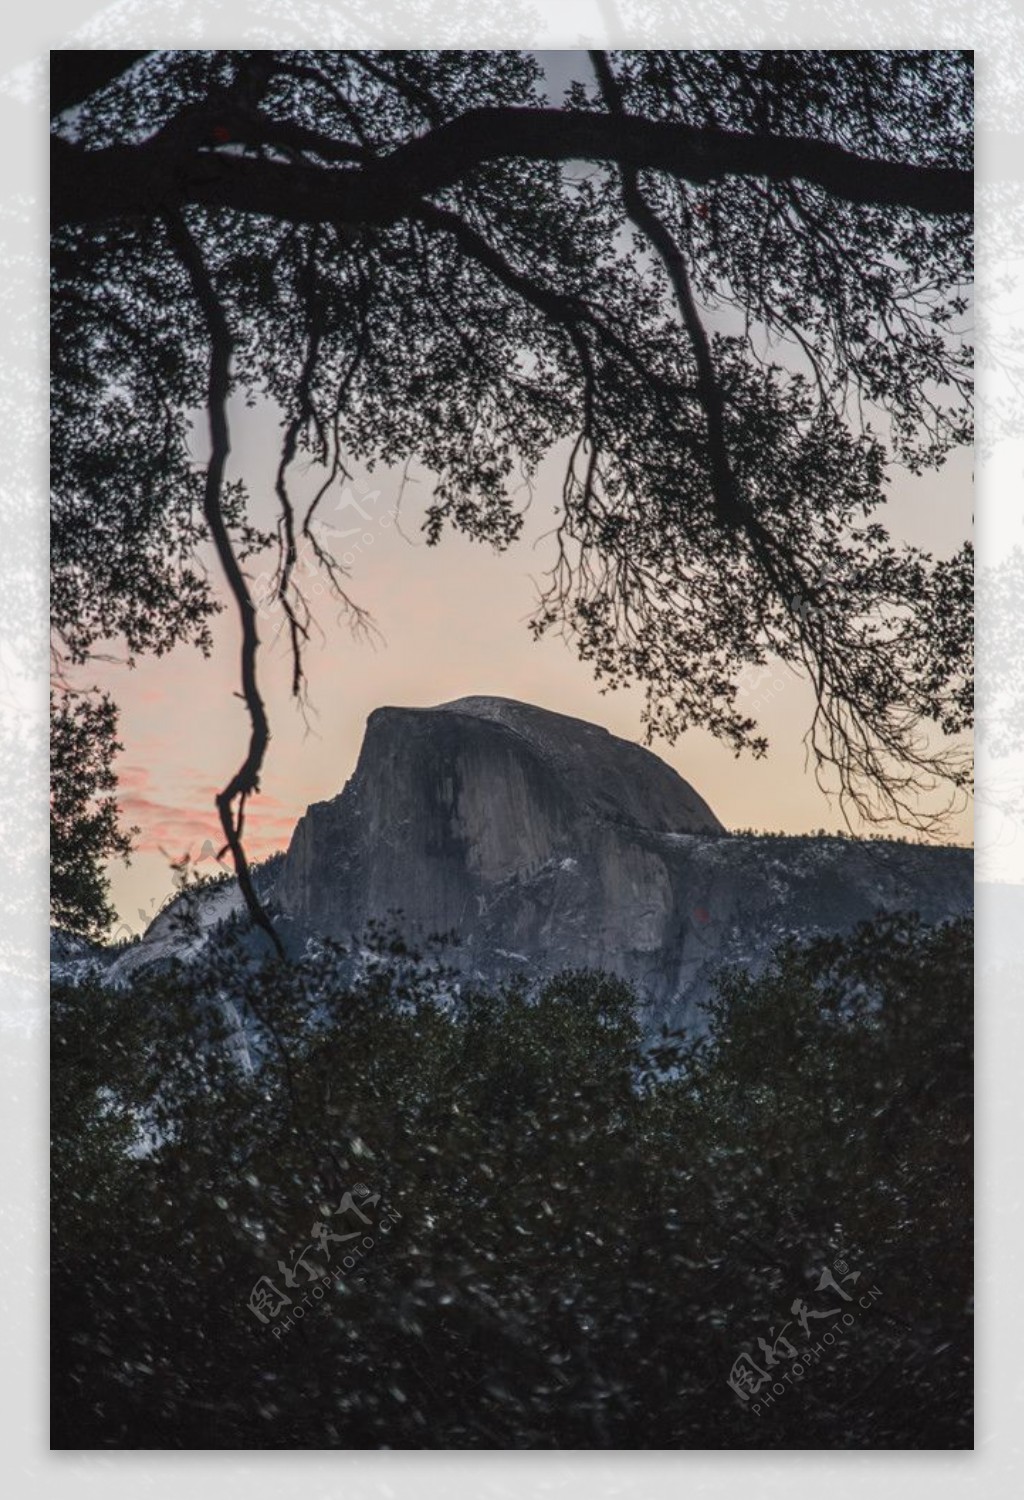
(452, 622)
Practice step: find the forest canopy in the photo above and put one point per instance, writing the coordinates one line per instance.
(574, 1234)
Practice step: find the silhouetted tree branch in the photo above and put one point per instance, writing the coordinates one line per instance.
(419, 259)
(246, 779)
(87, 186)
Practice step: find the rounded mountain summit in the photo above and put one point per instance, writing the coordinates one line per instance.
(545, 842)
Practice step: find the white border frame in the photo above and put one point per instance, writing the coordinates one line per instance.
(995, 29)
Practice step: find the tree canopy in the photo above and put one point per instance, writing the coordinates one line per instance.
(731, 286)
(586, 1233)
(84, 831)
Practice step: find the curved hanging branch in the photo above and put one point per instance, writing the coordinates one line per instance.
(246, 779)
(732, 510)
(224, 153)
(708, 389)
(838, 736)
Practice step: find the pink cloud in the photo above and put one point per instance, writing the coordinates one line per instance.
(186, 823)
(133, 778)
(164, 827)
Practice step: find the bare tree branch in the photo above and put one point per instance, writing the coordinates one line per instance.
(246, 779)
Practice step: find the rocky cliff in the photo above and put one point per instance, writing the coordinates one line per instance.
(544, 842)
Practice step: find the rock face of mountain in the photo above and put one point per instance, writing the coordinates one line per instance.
(545, 843)
(521, 830)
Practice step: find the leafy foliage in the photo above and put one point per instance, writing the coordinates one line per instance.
(731, 284)
(586, 1228)
(84, 828)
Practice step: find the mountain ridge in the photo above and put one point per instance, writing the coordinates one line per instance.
(546, 843)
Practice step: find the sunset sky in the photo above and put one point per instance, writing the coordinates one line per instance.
(453, 621)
